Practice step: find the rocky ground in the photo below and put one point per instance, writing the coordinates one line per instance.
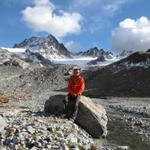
(129, 123)
(23, 124)
(23, 93)
(28, 128)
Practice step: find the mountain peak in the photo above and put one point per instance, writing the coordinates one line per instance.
(95, 52)
(51, 38)
(48, 47)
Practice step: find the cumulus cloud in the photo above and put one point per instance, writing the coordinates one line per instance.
(42, 18)
(132, 35)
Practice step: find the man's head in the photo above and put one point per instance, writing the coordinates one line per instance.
(76, 70)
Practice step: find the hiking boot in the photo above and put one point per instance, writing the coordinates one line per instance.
(63, 116)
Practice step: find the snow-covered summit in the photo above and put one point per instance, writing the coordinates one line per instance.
(48, 47)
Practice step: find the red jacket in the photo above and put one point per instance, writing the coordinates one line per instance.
(76, 85)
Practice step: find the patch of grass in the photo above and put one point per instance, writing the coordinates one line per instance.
(4, 99)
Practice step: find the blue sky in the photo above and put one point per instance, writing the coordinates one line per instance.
(114, 25)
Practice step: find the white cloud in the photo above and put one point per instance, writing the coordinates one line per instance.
(132, 35)
(42, 17)
(104, 7)
(112, 7)
(97, 13)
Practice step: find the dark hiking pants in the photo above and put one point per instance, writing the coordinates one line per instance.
(71, 106)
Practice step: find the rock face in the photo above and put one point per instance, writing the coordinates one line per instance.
(91, 117)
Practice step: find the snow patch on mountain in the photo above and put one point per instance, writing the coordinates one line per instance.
(80, 61)
(15, 50)
(108, 61)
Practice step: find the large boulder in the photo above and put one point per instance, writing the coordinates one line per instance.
(91, 117)
(55, 105)
(20, 63)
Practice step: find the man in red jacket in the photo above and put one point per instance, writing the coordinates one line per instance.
(76, 87)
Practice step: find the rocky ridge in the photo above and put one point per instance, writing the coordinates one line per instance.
(99, 53)
(96, 52)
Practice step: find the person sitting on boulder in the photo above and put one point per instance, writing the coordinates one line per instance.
(76, 87)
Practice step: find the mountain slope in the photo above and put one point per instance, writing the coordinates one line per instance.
(127, 77)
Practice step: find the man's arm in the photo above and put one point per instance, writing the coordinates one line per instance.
(82, 87)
